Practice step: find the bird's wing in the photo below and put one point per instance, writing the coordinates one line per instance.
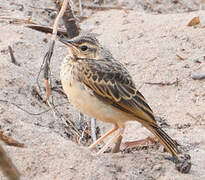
(111, 81)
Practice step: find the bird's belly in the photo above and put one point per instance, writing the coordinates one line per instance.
(89, 104)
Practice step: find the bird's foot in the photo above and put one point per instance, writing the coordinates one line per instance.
(117, 138)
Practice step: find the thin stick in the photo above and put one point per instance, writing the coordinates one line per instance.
(46, 29)
(103, 8)
(164, 83)
(36, 94)
(47, 63)
(18, 21)
(51, 47)
(7, 166)
(9, 141)
(69, 19)
(55, 26)
(30, 113)
(180, 57)
(93, 129)
(80, 7)
(13, 59)
(56, 115)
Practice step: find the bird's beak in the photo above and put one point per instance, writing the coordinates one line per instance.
(72, 48)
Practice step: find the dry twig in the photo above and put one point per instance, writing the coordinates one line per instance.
(164, 83)
(45, 9)
(47, 60)
(93, 129)
(59, 90)
(103, 8)
(80, 8)
(8, 168)
(18, 21)
(9, 141)
(46, 29)
(36, 94)
(13, 59)
(30, 113)
(51, 47)
(68, 19)
(64, 120)
(180, 57)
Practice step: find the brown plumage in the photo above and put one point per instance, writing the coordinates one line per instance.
(101, 87)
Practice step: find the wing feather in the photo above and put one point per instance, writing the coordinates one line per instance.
(116, 86)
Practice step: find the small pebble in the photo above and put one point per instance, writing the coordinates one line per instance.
(198, 75)
(53, 14)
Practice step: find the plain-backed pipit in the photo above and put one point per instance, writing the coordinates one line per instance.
(101, 87)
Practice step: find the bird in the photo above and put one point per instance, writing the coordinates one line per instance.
(100, 86)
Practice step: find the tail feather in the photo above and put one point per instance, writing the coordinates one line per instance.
(169, 144)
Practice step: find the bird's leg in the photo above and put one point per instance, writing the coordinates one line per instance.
(114, 138)
(103, 137)
(140, 142)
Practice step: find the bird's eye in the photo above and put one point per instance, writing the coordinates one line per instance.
(84, 48)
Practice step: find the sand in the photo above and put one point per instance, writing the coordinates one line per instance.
(149, 43)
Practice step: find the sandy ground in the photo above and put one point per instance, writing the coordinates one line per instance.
(148, 44)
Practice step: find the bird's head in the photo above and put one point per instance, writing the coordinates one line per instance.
(84, 46)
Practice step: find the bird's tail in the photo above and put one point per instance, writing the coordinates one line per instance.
(169, 144)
